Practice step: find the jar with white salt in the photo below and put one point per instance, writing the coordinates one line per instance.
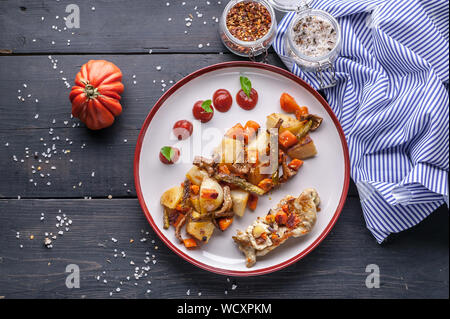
(313, 39)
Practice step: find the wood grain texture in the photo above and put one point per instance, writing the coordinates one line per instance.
(413, 264)
(20, 129)
(335, 269)
(48, 86)
(107, 29)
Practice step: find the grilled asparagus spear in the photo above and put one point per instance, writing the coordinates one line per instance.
(240, 182)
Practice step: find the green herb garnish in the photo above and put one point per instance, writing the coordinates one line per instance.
(246, 85)
(168, 152)
(206, 105)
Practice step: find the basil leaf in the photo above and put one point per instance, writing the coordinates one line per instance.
(246, 85)
(167, 152)
(206, 105)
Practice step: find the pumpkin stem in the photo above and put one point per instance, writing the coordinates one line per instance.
(91, 91)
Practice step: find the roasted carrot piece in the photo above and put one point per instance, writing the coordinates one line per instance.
(266, 184)
(181, 208)
(288, 103)
(195, 189)
(302, 111)
(252, 124)
(223, 168)
(287, 139)
(178, 220)
(270, 218)
(295, 164)
(189, 243)
(281, 218)
(250, 129)
(225, 222)
(252, 201)
(237, 132)
(209, 193)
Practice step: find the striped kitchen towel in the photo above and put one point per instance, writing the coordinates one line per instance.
(392, 101)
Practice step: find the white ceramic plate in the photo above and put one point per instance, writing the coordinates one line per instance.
(328, 172)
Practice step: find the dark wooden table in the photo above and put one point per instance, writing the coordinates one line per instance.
(85, 167)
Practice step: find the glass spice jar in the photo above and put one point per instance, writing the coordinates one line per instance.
(313, 42)
(312, 39)
(248, 27)
(308, 55)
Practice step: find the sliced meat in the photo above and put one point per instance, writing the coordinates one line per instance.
(240, 168)
(287, 171)
(225, 210)
(266, 234)
(316, 121)
(207, 164)
(181, 224)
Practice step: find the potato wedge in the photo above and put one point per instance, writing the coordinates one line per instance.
(195, 202)
(239, 198)
(211, 195)
(195, 215)
(196, 175)
(230, 151)
(200, 230)
(172, 197)
(304, 149)
(289, 123)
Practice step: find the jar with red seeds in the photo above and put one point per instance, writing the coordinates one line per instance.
(248, 27)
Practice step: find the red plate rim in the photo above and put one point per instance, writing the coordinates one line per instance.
(181, 83)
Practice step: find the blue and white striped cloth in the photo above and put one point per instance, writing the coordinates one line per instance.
(392, 101)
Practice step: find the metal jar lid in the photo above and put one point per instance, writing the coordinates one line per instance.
(289, 5)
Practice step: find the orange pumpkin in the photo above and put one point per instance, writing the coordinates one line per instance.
(96, 95)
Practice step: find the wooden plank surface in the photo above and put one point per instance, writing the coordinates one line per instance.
(28, 126)
(414, 265)
(107, 29)
(48, 85)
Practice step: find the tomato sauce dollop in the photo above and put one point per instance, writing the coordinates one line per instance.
(182, 129)
(200, 113)
(222, 100)
(247, 103)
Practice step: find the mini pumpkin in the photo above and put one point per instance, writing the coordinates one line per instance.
(96, 95)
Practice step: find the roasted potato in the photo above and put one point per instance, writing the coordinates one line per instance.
(289, 123)
(304, 149)
(195, 215)
(172, 197)
(255, 176)
(231, 151)
(257, 147)
(239, 198)
(195, 202)
(196, 175)
(211, 195)
(200, 230)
